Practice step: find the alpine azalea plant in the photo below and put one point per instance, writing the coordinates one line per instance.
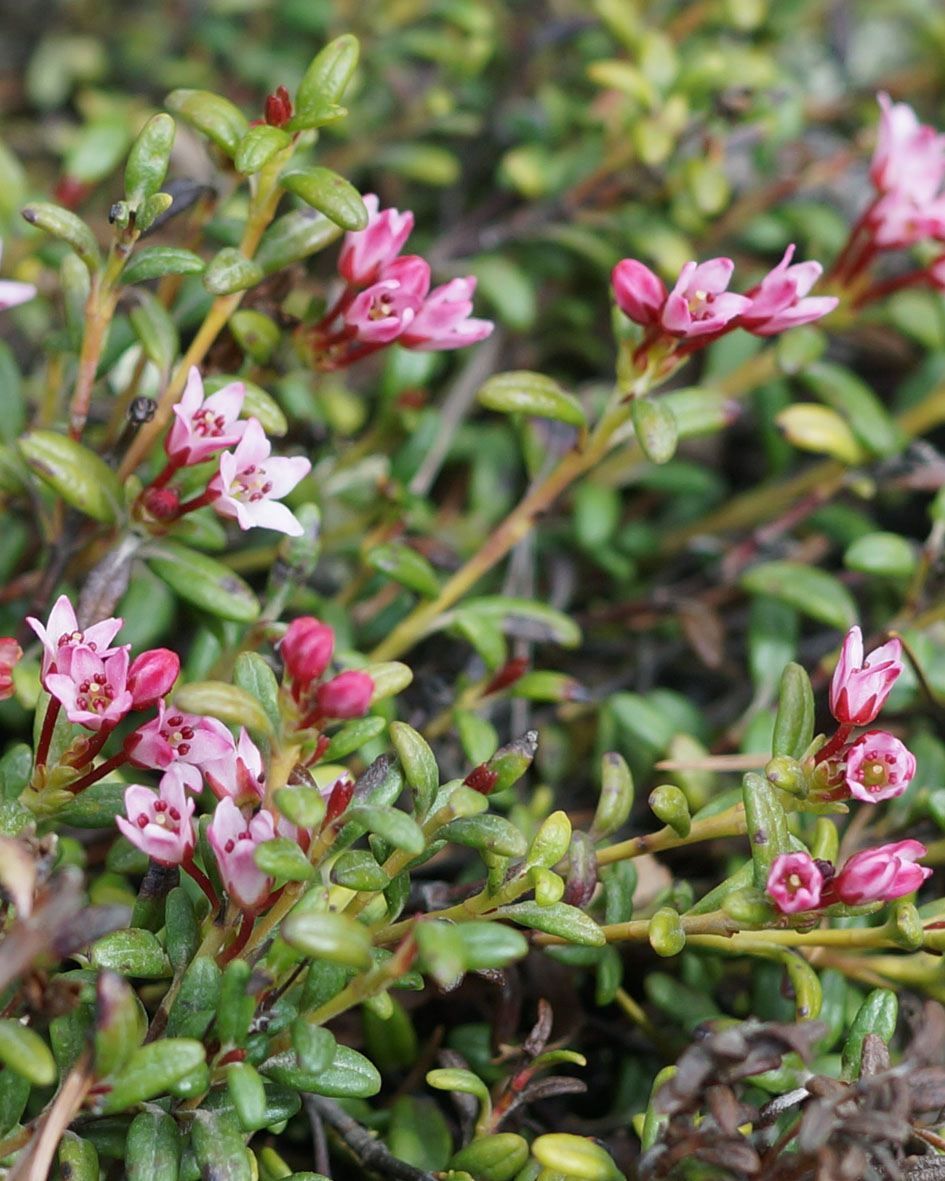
(398, 701)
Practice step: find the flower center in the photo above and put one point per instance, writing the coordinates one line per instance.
(95, 695)
(251, 484)
(206, 423)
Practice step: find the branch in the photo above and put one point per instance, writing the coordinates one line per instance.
(371, 1153)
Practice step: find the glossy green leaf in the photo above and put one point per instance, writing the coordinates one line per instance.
(152, 1069)
(888, 555)
(806, 588)
(204, 582)
(523, 392)
(325, 81)
(212, 114)
(154, 262)
(281, 858)
(23, 1050)
(330, 194)
(229, 703)
(78, 475)
(558, 919)
(230, 271)
(258, 146)
(406, 566)
(328, 935)
(148, 159)
(67, 226)
(153, 1147)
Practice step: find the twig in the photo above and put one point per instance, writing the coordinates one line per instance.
(370, 1153)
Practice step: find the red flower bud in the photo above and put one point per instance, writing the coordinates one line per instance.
(347, 695)
(306, 649)
(481, 779)
(161, 503)
(151, 676)
(339, 799)
(278, 108)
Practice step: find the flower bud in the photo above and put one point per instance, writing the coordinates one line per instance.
(881, 874)
(306, 649)
(151, 676)
(860, 686)
(161, 503)
(347, 695)
(278, 108)
(10, 655)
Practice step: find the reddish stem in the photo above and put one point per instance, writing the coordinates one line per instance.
(49, 724)
(98, 773)
(207, 497)
(242, 938)
(169, 469)
(830, 748)
(203, 882)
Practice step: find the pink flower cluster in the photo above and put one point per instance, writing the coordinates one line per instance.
(249, 482)
(798, 882)
(876, 765)
(700, 307)
(387, 298)
(306, 649)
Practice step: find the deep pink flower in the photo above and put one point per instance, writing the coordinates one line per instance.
(151, 676)
(10, 655)
(859, 687)
(347, 695)
(62, 635)
(234, 840)
(444, 320)
(364, 253)
(12, 293)
(160, 824)
(250, 482)
(909, 156)
(383, 311)
(639, 293)
(700, 303)
(779, 303)
(795, 882)
(176, 737)
(240, 774)
(94, 692)
(306, 649)
(205, 425)
(879, 767)
(881, 874)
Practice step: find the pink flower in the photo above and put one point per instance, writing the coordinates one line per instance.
(205, 425)
(900, 219)
(444, 320)
(61, 636)
(176, 737)
(859, 687)
(879, 767)
(779, 303)
(306, 649)
(240, 774)
(347, 695)
(161, 825)
(94, 692)
(909, 156)
(639, 293)
(365, 252)
(699, 303)
(234, 841)
(881, 874)
(250, 482)
(383, 311)
(151, 676)
(10, 655)
(795, 882)
(12, 293)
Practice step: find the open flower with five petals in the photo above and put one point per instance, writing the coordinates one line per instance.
(234, 839)
(159, 823)
(203, 424)
(780, 301)
(95, 691)
(251, 481)
(859, 686)
(61, 635)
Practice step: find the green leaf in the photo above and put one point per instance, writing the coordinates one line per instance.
(258, 146)
(148, 159)
(557, 919)
(350, 1075)
(325, 81)
(295, 236)
(77, 474)
(809, 590)
(154, 262)
(794, 723)
(282, 858)
(252, 674)
(153, 1147)
(490, 945)
(487, 831)
(258, 336)
(404, 565)
(204, 582)
(151, 1069)
(96, 807)
(396, 827)
(524, 392)
(212, 114)
(419, 1134)
(352, 736)
(327, 935)
(231, 271)
(655, 428)
(877, 1014)
(888, 555)
(820, 429)
(330, 194)
(23, 1050)
(358, 870)
(869, 420)
(526, 618)
(229, 703)
(68, 227)
(219, 1147)
(766, 825)
(498, 1157)
(78, 1160)
(156, 330)
(418, 762)
(304, 806)
(246, 1089)
(118, 1023)
(575, 1156)
(441, 951)
(132, 952)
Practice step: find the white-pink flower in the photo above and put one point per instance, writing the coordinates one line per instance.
(250, 482)
(205, 425)
(444, 320)
(383, 312)
(780, 299)
(878, 767)
(364, 253)
(61, 635)
(700, 303)
(859, 686)
(240, 774)
(160, 824)
(94, 692)
(12, 292)
(794, 882)
(881, 874)
(234, 841)
(177, 737)
(909, 156)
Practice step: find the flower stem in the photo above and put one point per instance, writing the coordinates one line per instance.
(49, 725)
(729, 823)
